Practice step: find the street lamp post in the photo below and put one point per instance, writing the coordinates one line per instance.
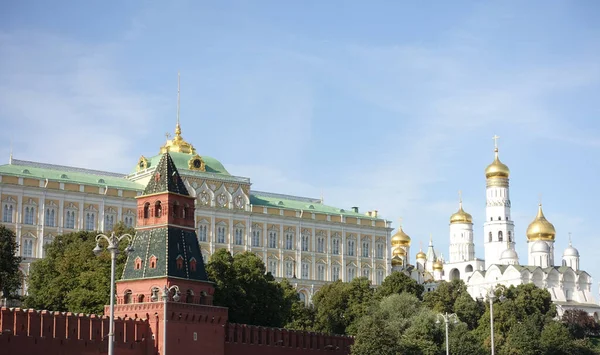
(447, 317)
(165, 298)
(491, 297)
(113, 248)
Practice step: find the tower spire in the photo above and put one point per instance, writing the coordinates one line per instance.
(178, 95)
(569, 238)
(10, 157)
(495, 138)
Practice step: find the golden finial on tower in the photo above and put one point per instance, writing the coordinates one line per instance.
(495, 138)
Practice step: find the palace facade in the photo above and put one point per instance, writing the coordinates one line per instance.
(298, 238)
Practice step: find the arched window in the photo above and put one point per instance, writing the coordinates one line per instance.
(175, 211)
(146, 210)
(189, 296)
(490, 236)
(157, 209)
(184, 213)
(137, 263)
(155, 295)
(193, 264)
(509, 236)
(127, 297)
(140, 298)
(499, 218)
(202, 297)
(179, 262)
(500, 236)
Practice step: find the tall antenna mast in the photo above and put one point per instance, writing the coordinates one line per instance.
(10, 157)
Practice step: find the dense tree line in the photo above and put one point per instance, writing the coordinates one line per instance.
(10, 275)
(395, 318)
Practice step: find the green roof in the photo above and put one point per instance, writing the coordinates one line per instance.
(167, 244)
(181, 161)
(166, 178)
(313, 205)
(67, 174)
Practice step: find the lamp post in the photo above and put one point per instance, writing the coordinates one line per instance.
(447, 317)
(165, 298)
(113, 248)
(491, 297)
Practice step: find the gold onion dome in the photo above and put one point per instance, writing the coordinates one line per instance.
(398, 251)
(438, 265)
(461, 216)
(497, 169)
(396, 261)
(400, 238)
(540, 228)
(421, 255)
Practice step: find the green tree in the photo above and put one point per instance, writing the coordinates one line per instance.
(339, 305)
(398, 324)
(464, 342)
(10, 275)
(397, 283)
(522, 338)
(443, 298)
(468, 310)
(556, 339)
(251, 294)
(70, 277)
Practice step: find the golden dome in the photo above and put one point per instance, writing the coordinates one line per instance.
(437, 265)
(497, 169)
(421, 255)
(397, 261)
(177, 144)
(400, 238)
(398, 251)
(540, 228)
(461, 216)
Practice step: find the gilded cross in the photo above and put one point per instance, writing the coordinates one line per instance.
(495, 138)
(400, 222)
(540, 199)
(168, 135)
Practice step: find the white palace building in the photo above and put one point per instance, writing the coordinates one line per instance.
(569, 286)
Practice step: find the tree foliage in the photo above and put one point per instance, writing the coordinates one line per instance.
(251, 294)
(580, 324)
(71, 278)
(10, 275)
(397, 283)
(339, 305)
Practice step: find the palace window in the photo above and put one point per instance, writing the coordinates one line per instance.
(272, 267)
(202, 232)
(220, 234)
(305, 242)
(90, 221)
(320, 244)
(365, 249)
(366, 272)
(335, 273)
(256, 238)
(351, 273)
(351, 249)
(305, 271)
(379, 251)
(109, 222)
(321, 272)
(289, 269)
(379, 277)
(239, 236)
(7, 213)
(128, 221)
(289, 241)
(29, 215)
(28, 247)
(272, 239)
(70, 220)
(335, 246)
(50, 217)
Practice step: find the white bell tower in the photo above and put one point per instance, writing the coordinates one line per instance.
(499, 229)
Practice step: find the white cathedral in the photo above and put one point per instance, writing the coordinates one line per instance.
(569, 286)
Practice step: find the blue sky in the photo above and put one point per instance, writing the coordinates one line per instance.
(386, 105)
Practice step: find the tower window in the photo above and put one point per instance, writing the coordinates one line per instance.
(193, 264)
(491, 218)
(146, 210)
(127, 299)
(153, 262)
(175, 211)
(509, 236)
(138, 263)
(490, 236)
(499, 218)
(157, 209)
(179, 262)
(500, 236)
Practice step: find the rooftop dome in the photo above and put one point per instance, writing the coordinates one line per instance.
(397, 261)
(509, 254)
(497, 169)
(400, 238)
(461, 216)
(540, 247)
(571, 251)
(540, 228)
(421, 255)
(398, 251)
(438, 265)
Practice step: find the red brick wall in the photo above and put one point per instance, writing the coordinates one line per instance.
(241, 339)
